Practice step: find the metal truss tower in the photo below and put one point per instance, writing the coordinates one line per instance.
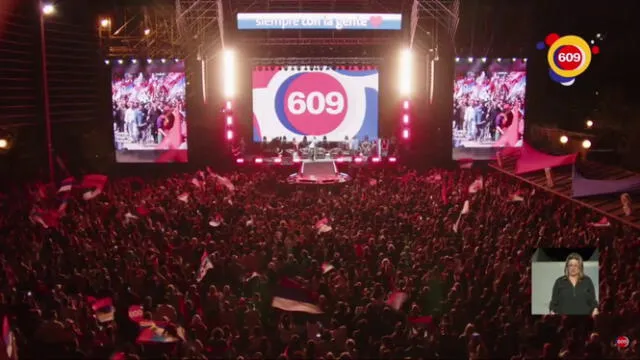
(201, 26)
(429, 18)
(148, 31)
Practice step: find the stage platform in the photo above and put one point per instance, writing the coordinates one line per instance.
(320, 172)
(288, 160)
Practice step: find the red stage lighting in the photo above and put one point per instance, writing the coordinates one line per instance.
(392, 159)
(375, 159)
(405, 134)
(259, 160)
(229, 134)
(358, 159)
(405, 119)
(340, 159)
(277, 160)
(229, 120)
(405, 105)
(228, 104)
(297, 160)
(240, 161)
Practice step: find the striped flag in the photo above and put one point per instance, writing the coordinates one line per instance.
(291, 296)
(326, 267)
(95, 183)
(9, 340)
(477, 185)
(104, 310)
(205, 266)
(66, 185)
(397, 299)
(604, 222)
(160, 332)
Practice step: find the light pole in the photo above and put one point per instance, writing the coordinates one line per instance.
(45, 10)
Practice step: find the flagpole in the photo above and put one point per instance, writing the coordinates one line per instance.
(45, 89)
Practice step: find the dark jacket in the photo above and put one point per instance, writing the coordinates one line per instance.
(567, 299)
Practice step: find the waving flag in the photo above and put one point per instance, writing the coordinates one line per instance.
(184, 197)
(291, 296)
(94, 182)
(604, 222)
(397, 299)
(46, 218)
(160, 332)
(326, 267)
(104, 310)
(9, 340)
(517, 197)
(66, 185)
(465, 210)
(205, 266)
(476, 186)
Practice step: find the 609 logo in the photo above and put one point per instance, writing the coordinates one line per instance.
(568, 56)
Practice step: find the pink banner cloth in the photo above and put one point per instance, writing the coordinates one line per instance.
(533, 160)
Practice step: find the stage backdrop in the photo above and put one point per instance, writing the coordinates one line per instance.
(149, 112)
(292, 102)
(488, 106)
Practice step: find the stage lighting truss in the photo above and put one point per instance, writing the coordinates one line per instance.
(141, 32)
(315, 63)
(429, 18)
(201, 23)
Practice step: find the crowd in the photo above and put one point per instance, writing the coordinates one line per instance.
(468, 290)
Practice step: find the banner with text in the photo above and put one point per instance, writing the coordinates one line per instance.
(316, 21)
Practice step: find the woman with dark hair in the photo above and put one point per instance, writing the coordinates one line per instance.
(574, 292)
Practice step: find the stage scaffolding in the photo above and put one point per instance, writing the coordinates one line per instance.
(430, 20)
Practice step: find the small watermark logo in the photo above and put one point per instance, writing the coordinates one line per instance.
(568, 56)
(622, 342)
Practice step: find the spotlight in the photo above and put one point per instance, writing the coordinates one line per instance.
(405, 105)
(240, 161)
(107, 62)
(392, 159)
(375, 159)
(405, 134)
(228, 105)
(589, 124)
(586, 144)
(259, 160)
(163, 60)
(340, 160)
(405, 119)
(358, 159)
(149, 61)
(48, 9)
(120, 61)
(524, 60)
(499, 59)
(176, 60)
(229, 134)
(277, 160)
(592, 42)
(147, 32)
(134, 61)
(514, 59)
(457, 59)
(104, 23)
(564, 139)
(470, 59)
(229, 120)
(484, 59)
(4, 144)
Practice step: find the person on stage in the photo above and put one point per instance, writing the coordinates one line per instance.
(574, 293)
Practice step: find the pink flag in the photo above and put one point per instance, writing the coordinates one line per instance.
(136, 313)
(326, 267)
(205, 266)
(397, 299)
(604, 222)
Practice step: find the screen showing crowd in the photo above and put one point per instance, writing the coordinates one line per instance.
(488, 101)
(327, 102)
(149, 112)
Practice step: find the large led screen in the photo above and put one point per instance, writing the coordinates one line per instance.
(319, 21)
(331, 103)
(149, 112)
(488, 106)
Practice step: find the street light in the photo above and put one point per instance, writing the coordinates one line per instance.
(105, 23)
(586, 144)
(48, 9)
(564, 139)
(589, 124)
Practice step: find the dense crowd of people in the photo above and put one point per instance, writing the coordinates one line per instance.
(141, 243)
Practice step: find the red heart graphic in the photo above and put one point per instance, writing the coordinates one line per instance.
(375, 21)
